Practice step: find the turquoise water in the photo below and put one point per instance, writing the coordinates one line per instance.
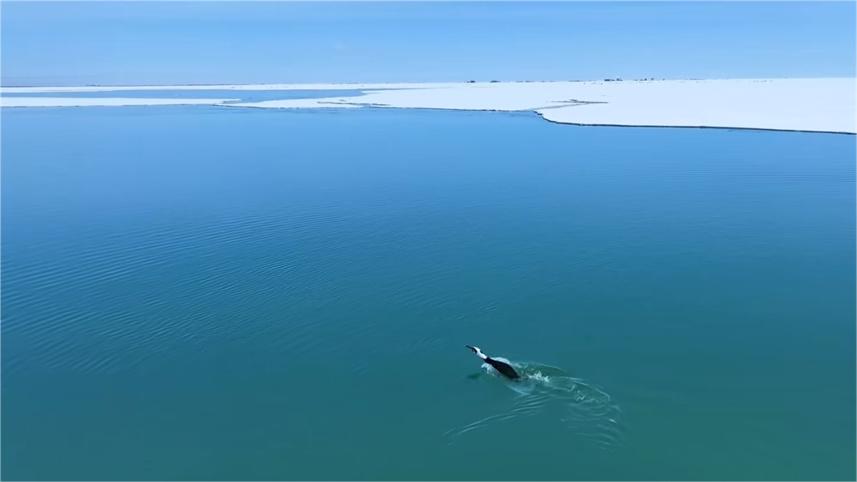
(212, 293)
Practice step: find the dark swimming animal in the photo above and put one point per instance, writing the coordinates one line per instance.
(501, 366)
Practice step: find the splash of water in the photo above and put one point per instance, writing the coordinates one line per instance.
(584, 409)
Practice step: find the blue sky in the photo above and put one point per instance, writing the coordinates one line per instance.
(201, 42)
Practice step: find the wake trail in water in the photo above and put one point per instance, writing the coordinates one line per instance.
(583, 409)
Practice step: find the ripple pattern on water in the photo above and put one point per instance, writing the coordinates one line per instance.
(585, 410)
(102, 301)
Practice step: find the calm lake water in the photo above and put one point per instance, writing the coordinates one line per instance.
(220, 293)
(237, 94)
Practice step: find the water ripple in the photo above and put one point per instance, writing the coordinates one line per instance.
(583, 409)
(97, 304)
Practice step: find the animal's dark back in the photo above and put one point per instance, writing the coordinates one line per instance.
(503, 368)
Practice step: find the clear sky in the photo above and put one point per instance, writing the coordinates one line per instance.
(201, 42)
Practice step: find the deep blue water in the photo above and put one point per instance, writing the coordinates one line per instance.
(212, 293)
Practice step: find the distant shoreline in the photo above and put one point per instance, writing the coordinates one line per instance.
(804, 105)
(652, 126)
(338, 85)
